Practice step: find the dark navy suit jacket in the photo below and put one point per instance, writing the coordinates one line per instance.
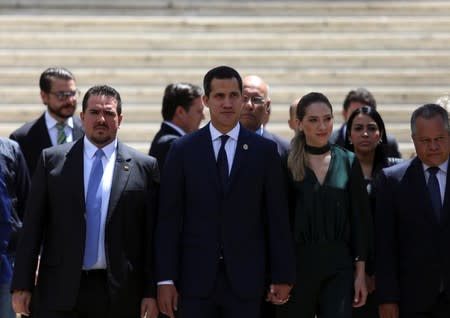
(161, 143)
(412, 247)
(250, 220)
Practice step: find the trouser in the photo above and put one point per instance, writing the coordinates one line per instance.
(222, 303)
(324, 285)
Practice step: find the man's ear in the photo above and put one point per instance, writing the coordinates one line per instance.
(268, 106)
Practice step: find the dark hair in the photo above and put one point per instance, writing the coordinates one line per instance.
(103, 90)
(381, 148)
(220, 72)
(429, 111)
(178, 94)
(360, 95)
(45, 81)
(297, 156)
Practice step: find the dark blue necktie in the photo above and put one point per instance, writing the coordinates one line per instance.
(222, 163)
(435, 192)
(93, 211)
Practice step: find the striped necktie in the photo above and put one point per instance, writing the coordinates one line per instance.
(61, 138)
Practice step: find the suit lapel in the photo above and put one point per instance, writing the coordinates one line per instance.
(205, 150)
(42, 137)
(122, 169)
(240, 156)
(74, 174)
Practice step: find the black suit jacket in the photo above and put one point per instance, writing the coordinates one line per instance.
(412, 248)
(33, 137)
(249, 221)
(283, 145)
(55, 222)
(338, 138)
(161, 143)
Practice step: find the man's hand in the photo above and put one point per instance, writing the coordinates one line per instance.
(149, 308)
(278, 294)
(359, 299)
(388, 311)
(167, 299)
(21, 300)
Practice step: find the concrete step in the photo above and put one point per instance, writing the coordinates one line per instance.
(205, 59)
(234, 7)
(142, 25)
(238, 41)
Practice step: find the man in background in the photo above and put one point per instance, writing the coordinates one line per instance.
(57, 124)
(293, 115)
(255, 108)
(182, 112)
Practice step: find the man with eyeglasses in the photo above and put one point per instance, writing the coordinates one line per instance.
(255, 107)
(57, 124)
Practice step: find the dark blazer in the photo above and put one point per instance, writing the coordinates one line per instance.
(161, 143)
(412, 248)
(14, 187)
(283, 145)
(33, 137)
(55, 222)
(338, 138)
(246, 220)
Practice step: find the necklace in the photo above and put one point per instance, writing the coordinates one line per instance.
(317, 150)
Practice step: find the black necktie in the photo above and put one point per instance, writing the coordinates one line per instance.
(435, 192)
(222, 163)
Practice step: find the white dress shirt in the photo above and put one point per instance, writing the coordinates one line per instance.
(108, 161)
(230, 146)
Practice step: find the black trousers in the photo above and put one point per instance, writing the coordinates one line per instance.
(92, 300)
(324, 283)
(222, 303)
(440, 309)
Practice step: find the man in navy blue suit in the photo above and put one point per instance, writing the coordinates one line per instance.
(226, 230)
(412, 222)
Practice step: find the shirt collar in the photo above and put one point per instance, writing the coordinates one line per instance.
(181, 131)
(51, 122)
(260, 130)
(443, 166)
(233, 133)
(90, 148)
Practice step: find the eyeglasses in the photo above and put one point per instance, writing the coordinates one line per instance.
(254, 100)
(65, 95)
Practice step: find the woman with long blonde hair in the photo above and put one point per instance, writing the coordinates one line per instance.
(330, 218)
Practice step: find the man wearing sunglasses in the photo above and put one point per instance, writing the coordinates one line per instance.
(56, 125)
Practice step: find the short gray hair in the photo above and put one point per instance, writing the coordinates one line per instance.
(429, 111)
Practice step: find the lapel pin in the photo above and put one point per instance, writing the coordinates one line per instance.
(245, 146)
(126, 168)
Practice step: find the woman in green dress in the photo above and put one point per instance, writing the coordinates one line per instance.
(330, 218)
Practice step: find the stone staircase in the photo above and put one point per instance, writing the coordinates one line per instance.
(400, 50)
